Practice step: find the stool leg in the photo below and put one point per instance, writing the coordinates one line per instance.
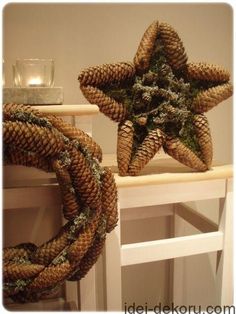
(113, 269)
(224, 271)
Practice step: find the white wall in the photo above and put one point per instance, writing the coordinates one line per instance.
(81, 35)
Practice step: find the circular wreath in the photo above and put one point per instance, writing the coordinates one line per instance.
(89, 198)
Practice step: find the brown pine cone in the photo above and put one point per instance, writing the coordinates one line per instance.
(124, 146)
(9, 110)
(146, 151)
(14, 156)
(84, 181)
(89, 259)
(206, 100)
(71, 206)
(32, 138)
(176, 149)
(85, 239)
(145, 48)
(204, 138)
(74, 133)
(207, 72)
(106, 73)
(49, 250)
(23, 250)
(173, 46)
(13, 271)
(50, 277)
(109, 199)
(107, 105)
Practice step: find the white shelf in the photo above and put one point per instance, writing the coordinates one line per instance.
(69, 110)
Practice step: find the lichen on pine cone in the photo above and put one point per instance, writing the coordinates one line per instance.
(124, 146)
(204, 138)
(146, 151)
(145, 48)
(80, 246)
(173, 46)
(206, 100)
(179, 151)
(74, 133)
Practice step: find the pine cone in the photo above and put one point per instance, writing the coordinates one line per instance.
(32, 138)
(146, 151)
(49, 250)
(206, 100)
(85, 239)
(145, 48)
(124, 146)
(50, 277)
(204, 138)
(109, 199)
(84, 181)
(176, 149)
(9, 110)
(70, 204)
(207, 72)
(22, 250)
(14, 156)
(106, 73)
(15, 271)
(173, 46)
(74, 133)
(89, 259)
(107, 105)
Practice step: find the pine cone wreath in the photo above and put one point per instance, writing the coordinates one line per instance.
(33, 139)
(160, 91)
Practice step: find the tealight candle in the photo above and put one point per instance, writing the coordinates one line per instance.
(33, 73)
(35, 82)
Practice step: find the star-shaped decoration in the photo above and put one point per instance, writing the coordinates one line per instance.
(159, 100)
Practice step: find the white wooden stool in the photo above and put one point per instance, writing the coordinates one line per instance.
(172, 185)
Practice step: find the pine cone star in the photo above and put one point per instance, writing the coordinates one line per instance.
(158, 100)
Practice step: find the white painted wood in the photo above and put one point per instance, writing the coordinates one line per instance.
(224, 274)
(195, 218)
(170, 193)
(158, 250)
(69, 110)
(166, 171)
(88, 291)
(178, 266)
(146, 212)
(26, 197)
(113, 270)
(72, 292)
(84, 123)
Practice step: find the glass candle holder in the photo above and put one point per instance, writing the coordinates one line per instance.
(33, 73)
